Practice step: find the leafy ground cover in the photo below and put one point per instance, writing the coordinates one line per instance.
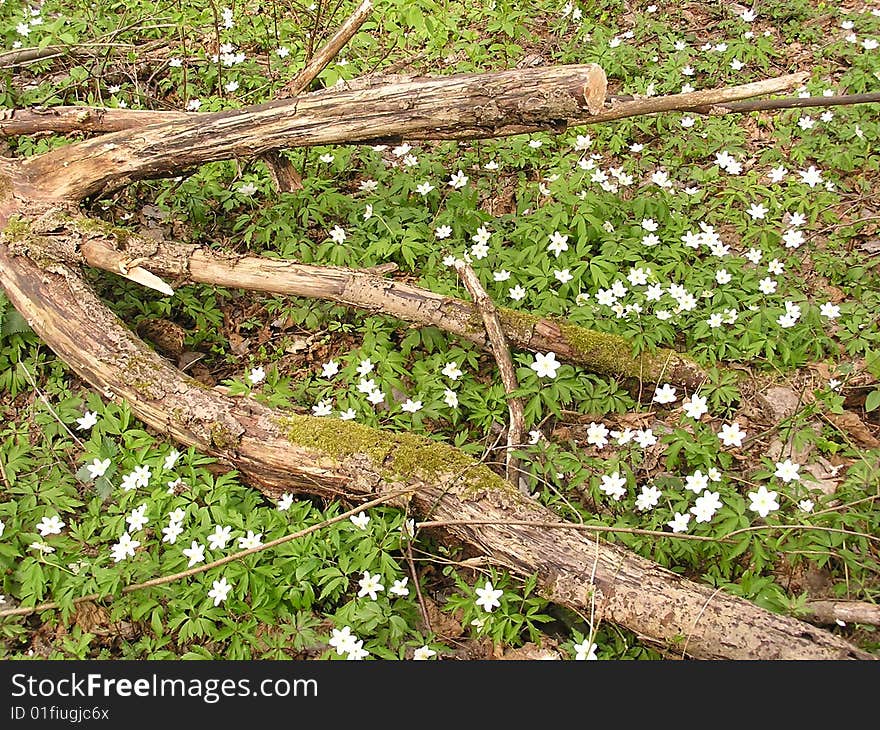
(745, 240)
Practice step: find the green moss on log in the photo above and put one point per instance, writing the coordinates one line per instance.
(396, 457)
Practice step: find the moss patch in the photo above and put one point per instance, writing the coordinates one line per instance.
(601, 351)
(401, 457)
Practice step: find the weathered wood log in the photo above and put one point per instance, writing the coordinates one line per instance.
(830, 612)
(454, 107)
(601, 352)
(278, 452)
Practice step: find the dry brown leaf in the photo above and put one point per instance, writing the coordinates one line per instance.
(851, 424)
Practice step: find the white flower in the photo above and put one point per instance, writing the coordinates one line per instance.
(322, 408)
(597, 434)
(806, 505)
(370, 585)
(252, 540)
(585, 651)
(582, 142)
(282, 51)
(217, 540)
(338, 235)
(777, 174)
(285, 502)
(502, 275)
(23, 29)
(450, 398)
(41, 547)
(869, 44)
(806, 122)
(811, 176)
(487, 597)
(757, 212)
(458, 180)
(645, 437)
(361, 520)
(479, 251)
(714, 474)
(124, 548)
(787, 471)
(679, 523)
(451, 371)
(219, 590)
(376, 397)
(368, 211)
(97, 468)
(695, 407)
(563, 276)
(342, 640)
(763, 502)
(231, 86)
(365, 367)
(137, 519)
(195, 552)
(706, 506)
(648, 498)
(638, 276)
(736, 64)
(2, 527)
(398, 588)
(411, 406)
(257, 375)
(793, 238)
(50, 526)
(731, 434)
(424, 188)
(613, 485)
(89, 419)
(193, 105)
(558, 243)
(767, 285)
(664, 394)
(829, 310)
(356, 651)
(442, 232)
(329, 369)
(423, 653)
(368, 186)
(775, 267)
(347, 415)
(545, 365)
(696, 482)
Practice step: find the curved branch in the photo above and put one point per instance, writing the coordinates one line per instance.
(277, 451)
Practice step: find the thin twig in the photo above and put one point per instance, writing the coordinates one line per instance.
(501, 351)
(25, 611)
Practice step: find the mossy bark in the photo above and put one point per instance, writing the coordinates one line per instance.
(281, 452)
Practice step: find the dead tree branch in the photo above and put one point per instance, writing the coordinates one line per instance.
(601, 352)
(498, 343)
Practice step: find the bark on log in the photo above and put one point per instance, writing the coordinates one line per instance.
(279, 452)
(601, 352)
(455, 107)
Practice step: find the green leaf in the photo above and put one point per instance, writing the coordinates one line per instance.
(873, 400)
(14, 324)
